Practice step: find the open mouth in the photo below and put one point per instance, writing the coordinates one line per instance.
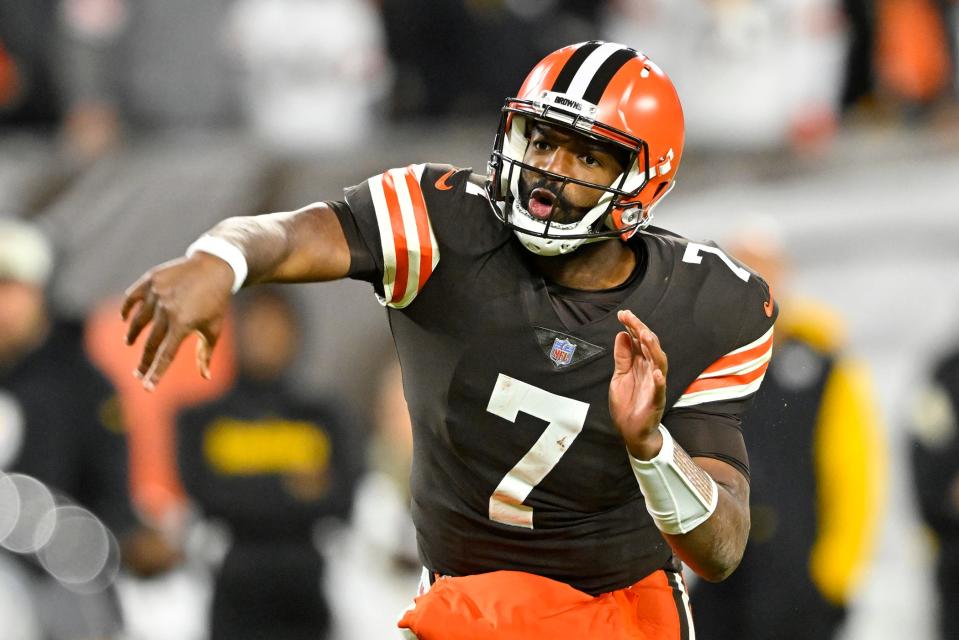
(541, 203)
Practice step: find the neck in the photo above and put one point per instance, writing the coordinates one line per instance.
(592, 267)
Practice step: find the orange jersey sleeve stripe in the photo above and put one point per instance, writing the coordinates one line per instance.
(708, 384)
(422, 228)
(399, 238)
(737, 374)
(738, 358)
(410, 250)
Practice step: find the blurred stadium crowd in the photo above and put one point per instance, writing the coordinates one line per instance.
(271, 501)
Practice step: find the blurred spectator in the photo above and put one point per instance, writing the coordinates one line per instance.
(377, 566)
(754, 74)
(435, 46)
(94, 68)
(859, 81)
(312, 72)
(935, 458)
(817, 466)
(151, 417)
(161, 64)
(61, 426)
(916, 52)
(85, 43)
(269, 467)
(31, 107)
(29, 94)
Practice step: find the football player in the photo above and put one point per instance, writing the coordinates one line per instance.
(563, 469)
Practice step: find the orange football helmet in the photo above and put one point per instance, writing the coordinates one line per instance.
(609, 92)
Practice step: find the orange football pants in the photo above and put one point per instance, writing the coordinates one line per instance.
(510, 605)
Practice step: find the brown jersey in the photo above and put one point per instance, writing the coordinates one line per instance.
(516, 463)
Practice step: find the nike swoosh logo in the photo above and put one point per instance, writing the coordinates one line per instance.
(441, 183)
(768, 305)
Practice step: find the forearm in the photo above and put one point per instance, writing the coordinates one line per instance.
(714, 548)
(701, 506)
(296, 246)
(191, 294)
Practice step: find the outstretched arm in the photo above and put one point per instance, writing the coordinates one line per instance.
(192, 294)
(713, 546)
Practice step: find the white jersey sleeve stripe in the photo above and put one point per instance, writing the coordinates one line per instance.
(755, 343)
(715, 395)
(418, 170)
(739, 368)
(386, 237)
(735, 375)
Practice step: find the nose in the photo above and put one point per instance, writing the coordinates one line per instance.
(558, 161)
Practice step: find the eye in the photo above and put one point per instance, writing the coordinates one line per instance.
(590, 160)
(541, 145)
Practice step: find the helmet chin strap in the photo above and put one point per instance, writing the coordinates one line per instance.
(529, 232)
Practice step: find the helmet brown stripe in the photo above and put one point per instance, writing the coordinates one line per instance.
(605, 73)
(572, 66)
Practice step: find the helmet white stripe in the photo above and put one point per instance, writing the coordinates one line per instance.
(588, 69)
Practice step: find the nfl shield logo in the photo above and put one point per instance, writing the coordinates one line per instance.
(562, 352)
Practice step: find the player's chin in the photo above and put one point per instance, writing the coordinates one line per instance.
(569, 215)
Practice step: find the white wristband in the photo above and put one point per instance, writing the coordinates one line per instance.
(679, 495)
(225, 251)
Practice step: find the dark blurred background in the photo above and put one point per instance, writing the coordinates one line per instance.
(128, 127)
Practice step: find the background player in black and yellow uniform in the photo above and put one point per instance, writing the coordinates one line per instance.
(935, 470)
(508, 295)
(818, 466)
(270, 467)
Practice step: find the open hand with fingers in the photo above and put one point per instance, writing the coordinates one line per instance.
(178, 298)
(637, 390)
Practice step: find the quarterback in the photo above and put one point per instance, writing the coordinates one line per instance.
(575, 376)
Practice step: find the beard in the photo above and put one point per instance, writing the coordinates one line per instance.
(563, 211)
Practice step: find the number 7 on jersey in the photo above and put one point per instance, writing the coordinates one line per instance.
(566, 418)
